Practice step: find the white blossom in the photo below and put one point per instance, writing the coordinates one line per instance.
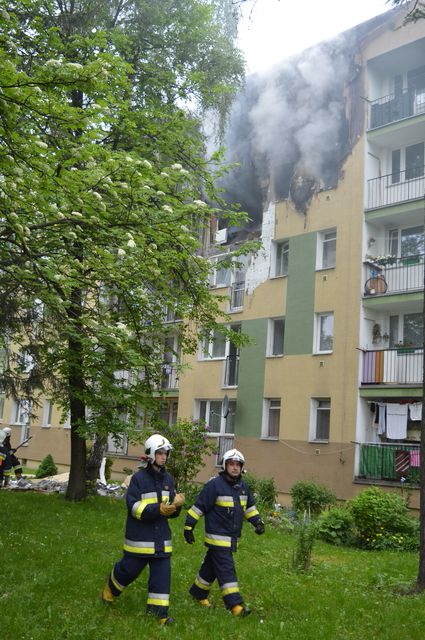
(147, 164)
(160, 193)
(77, 214)
(164, 174)
(177, 166)
(167, 208)
(75, 65)
(131, 244)
(121, 252)
(200, 203)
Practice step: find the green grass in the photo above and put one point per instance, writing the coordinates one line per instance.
(54, 557)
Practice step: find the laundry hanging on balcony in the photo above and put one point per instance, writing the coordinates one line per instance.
(415, 458)
(396, 421)
(415, 410)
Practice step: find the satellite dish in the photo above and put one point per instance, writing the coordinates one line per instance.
(225, 407)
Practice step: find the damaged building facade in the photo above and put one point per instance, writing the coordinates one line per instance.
(331, 154)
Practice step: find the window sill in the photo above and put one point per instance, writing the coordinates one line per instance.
(275, 355)
(325, 268)
(322, 353)
(269, 439)
(275, 277)
(319, 441)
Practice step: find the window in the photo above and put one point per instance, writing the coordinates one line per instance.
(117, 444)
(169, 409)
(213, 346)
(47, 413)
(276, 336)
(67, 423)
(211, 412)
(324, 332)
(415, 161)
(21, 412)
(320, 419)
(406, 329)
(271, 418)
(221, 274)
(281, 258)
(326, 249)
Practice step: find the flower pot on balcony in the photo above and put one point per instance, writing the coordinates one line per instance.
(409, 261)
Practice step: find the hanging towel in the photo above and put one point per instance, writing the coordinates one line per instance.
(415, 458)
(402, 463)
(396, 421)
(415, 410)
(382, 418)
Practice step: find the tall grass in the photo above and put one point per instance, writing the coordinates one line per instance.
(54, 557)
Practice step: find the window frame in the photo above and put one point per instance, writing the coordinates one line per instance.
(314, 422)
(268, 411)
(272, 337)
(318, 332)
(322, 242)
(204, 415)
(280, 265)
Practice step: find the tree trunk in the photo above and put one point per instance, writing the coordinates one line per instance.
(95, 458)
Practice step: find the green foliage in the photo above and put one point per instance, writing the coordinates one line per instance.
(47, 467)
(383, 521)
(108, 467)
(305, 532)
(310, 497)
(264, 490)
(336, 526)
(191, 445)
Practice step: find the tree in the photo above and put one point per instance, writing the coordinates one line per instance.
(103, 199)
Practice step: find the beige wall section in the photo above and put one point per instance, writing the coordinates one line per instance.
(387, 38)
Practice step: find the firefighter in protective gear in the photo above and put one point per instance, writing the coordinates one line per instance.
(225, 501)
(11, 463)
(151, 500)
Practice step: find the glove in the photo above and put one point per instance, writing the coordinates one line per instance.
(166, 509)
(260, 528)
(179, 499)
(188, 536)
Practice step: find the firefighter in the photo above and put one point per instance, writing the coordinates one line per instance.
(11, 464)
(225, 501)
(3, 454)
(151, 500)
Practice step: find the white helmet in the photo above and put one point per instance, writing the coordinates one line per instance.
(7, 431)
(154, 443)
(233, 454)
(3, 436)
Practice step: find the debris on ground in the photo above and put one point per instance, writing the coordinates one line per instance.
(59, 483)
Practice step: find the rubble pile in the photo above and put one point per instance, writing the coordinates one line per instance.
(59, 483)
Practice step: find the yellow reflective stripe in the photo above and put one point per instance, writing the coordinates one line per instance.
(116, 584)
(191, 512)
(225, 592)
(225, 501)
(168, 547)
(145, 550)
(218, 543)
(159, 599)
(188, 528)
(202, 584)
(250, 513)
(135, 546)
(138, 507)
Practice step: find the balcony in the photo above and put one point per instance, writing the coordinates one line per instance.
(395, 107)
(397, 366)
(389, 462)
(170, 377)
(395, 188)
(231, 371)
(237, 293)
(399, 275)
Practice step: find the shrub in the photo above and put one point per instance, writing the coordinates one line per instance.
(264, 490)
(336, 526)
(383, 521)
(305, 532)
(310, 497)
(47, 467)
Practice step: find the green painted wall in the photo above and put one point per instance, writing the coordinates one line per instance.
(299, 317)
(251, 379)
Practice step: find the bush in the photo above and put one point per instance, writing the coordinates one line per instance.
(383, 521)
(47, 467)
(264, 490)
(336, 526)
(306, 532)
(312, 498)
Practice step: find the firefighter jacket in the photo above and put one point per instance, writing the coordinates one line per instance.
(11, 462)
(3, 454)
(147, 533)
(225, 503)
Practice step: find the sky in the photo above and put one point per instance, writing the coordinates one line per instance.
(273, 30)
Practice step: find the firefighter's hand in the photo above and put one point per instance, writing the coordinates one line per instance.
(166, 509)
(179, 499)
(260, 528)
(188, 536)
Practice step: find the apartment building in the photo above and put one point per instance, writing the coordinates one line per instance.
(329, 388)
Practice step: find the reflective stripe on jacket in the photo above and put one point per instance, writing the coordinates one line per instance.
(225, 505)
(147, 532)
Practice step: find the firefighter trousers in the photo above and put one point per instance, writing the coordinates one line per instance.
(129, 568)
(218, 564)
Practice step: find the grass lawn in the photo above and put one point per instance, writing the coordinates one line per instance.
(54, 557)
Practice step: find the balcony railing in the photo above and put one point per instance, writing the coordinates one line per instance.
(396, 107)
(231, 371)
(400, 275)
(224, 443)
(389, 462)
(401, 365)
(396, 187)
(170, 377)
(237, 294)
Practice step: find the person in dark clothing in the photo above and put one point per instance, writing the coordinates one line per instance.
(225, 501)
(11, 463)
(151, 500)
(3, 455)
